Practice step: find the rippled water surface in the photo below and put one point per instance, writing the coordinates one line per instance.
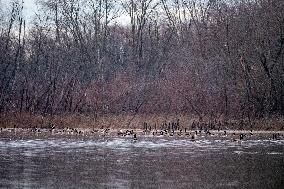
(146, 163)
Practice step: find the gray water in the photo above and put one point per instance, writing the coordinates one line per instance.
(146, 163)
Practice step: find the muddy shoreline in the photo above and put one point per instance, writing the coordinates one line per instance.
(236, 135)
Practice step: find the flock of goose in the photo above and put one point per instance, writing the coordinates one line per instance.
(171, 129)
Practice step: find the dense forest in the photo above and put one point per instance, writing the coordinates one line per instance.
(125, 57)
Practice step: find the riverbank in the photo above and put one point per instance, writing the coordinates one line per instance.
(234, 135)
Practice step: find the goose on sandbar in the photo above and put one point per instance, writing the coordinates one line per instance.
(193, 137)
(241, 136)
(134, 136)
(240, 139)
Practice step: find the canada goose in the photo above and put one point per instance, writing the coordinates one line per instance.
(120, 132)
(33, 129)
(185, 132)
(106, 130)
(241, 136)
(134, 136)
(208, 133)
(166, 132)
(129, 132)
(169, 126)
(240, 139)
(193, 137)
(275, 136)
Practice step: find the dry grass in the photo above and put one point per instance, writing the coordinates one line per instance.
(26, 120)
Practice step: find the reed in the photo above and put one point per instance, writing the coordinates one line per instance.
(155, 121)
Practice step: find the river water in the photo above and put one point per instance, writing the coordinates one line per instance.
(146, 163)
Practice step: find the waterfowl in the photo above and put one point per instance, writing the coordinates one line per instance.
(33, 129)
(185, 132)
(241, 136)
(193, 137)
(240, 139)
(120, 132)
(275, 136)
(134, 136)
(129, 132)
(12, 130)
(166, 132)
(208, 133)
(106, 130)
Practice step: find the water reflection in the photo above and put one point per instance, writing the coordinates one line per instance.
(148, 163)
